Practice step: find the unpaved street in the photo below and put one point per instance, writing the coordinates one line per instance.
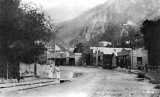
(95, 82)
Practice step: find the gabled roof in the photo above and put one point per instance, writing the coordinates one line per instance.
(61, 44)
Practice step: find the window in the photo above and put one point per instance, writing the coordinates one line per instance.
(139, 60)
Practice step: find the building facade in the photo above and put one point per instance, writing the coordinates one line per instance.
(139, 58)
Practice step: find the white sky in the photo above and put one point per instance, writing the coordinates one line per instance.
(63, 10)
(53, 3)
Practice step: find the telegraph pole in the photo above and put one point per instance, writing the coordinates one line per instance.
(54, 42)
(96, 56)
(54, 35)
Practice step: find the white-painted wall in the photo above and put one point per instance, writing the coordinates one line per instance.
(46, 71)
(27, 69)
(78, 59)
(108, 50)
(43, 71)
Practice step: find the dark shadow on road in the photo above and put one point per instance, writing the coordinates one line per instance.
(63, 81)
(157, 87)
(77, 75)
(154, 81)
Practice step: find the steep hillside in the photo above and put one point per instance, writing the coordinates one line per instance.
(113, 13)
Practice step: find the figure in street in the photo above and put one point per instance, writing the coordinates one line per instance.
(57, 72)
(146, 67)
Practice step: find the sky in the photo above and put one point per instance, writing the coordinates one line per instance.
(52, 3)
(57, 9)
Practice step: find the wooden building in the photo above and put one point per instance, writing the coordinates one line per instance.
(139, 58)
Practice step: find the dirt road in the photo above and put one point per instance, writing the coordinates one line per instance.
(95, 82)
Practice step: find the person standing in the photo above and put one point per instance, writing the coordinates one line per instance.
(57, 69)
(146, 67)
(51, 69)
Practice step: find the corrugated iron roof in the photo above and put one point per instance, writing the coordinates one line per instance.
(53, 55)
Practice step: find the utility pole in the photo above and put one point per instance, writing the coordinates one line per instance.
(55, 32)
(97, 56)
(113, 42)
(132, 60)
(54, 42)
(131, 56)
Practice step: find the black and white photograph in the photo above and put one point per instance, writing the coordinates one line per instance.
(79, 48)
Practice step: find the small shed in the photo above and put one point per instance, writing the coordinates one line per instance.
(124, 59)
(139, 58)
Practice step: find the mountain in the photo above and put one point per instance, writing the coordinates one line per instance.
(100, 22)
(63, 13)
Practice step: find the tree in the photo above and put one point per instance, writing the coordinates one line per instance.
(33, 28)
(79, 48)
(8, 10)
(151, 32)
(23, 31)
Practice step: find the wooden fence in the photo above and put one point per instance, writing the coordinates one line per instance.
(150, 68)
